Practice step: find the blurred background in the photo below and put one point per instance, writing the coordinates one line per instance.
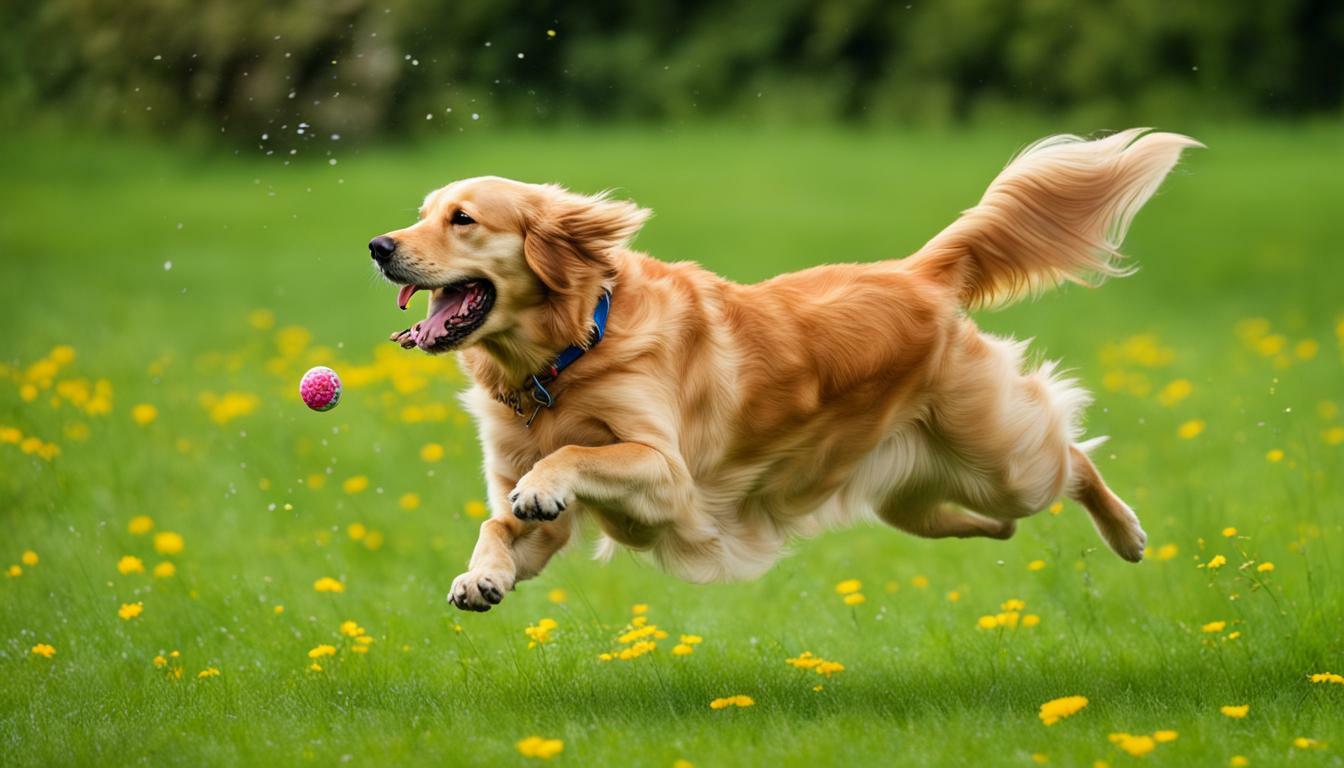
(277, 76)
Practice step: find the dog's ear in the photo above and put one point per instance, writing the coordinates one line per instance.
(569, 238)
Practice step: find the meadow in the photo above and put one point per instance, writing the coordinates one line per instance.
(200, 571)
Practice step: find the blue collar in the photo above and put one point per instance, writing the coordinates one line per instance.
(573, 352)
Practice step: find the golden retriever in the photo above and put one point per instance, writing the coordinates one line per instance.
(712, 422)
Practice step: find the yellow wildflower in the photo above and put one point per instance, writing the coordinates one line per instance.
(129, 611)
(536, 746)
(431, 452)
(854, 599)
(140, 525)
(1057, 709)
(1190, 430)
(1274, 456)
(1238, 761)
(1031, 620)
(732, 701)
(639, 609)
(1214, 626)
(475, 508)
(636, 650)
(167, 543)
(919, 582)
(1167, 552)
(1236, 711)
(28, 558)
(14, 570)
(208, 672)
(355, 484)
(1218, 561)
(159, 661)
(328, 584)
(144, 413)
(314, 667)
(1229, 532)
(848, 587)
(351, 628)
(540, 633)
(409, 501)
(1137, 746)
(987, 622)
(129, 564)
(1302, 742)
(953, 596)
(1333, 435)
(277, 610)
(682, 649)
(1036, 565)
(1327, 677)
(322, 650)
(364, 639)
(229, 406)
(828, 668)
(679, 763)
(44, 650)
(356, 531)
(1264, 567)
(1012, 604)
(1175, 392)
(1162, 737)
(261, 319)
(164, 570)
(1040, 759)
(1056, 508)
(692, 639)
(557, 596)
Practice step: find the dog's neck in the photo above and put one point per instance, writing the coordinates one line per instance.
(504, 364)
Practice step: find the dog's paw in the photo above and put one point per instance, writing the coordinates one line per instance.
(477, 590)
(540, 497)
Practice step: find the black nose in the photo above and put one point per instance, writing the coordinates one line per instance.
(381, 248)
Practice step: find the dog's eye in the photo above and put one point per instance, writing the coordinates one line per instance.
(460, 217)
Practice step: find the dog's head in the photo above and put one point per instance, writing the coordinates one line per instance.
(502, 258)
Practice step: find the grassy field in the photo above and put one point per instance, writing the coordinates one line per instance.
(159, 307)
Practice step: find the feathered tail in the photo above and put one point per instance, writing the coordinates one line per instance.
(1057, 212)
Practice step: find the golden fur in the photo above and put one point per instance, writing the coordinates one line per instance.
(716, 421)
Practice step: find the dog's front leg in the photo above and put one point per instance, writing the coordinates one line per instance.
(528, 524)
(632, 477)
(507, 551)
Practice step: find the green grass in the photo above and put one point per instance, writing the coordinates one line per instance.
(1250, 228)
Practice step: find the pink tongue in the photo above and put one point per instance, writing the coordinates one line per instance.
(405, 294)
(442, 308)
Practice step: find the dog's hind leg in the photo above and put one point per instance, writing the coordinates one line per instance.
(1114, 520)
(941, 520)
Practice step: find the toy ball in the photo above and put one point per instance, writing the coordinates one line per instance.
(320, 388)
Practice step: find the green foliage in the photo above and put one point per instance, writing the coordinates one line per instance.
(358, 67)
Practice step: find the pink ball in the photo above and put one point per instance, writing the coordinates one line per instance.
(320, 388)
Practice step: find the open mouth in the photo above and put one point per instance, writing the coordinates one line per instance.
(455, 312)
